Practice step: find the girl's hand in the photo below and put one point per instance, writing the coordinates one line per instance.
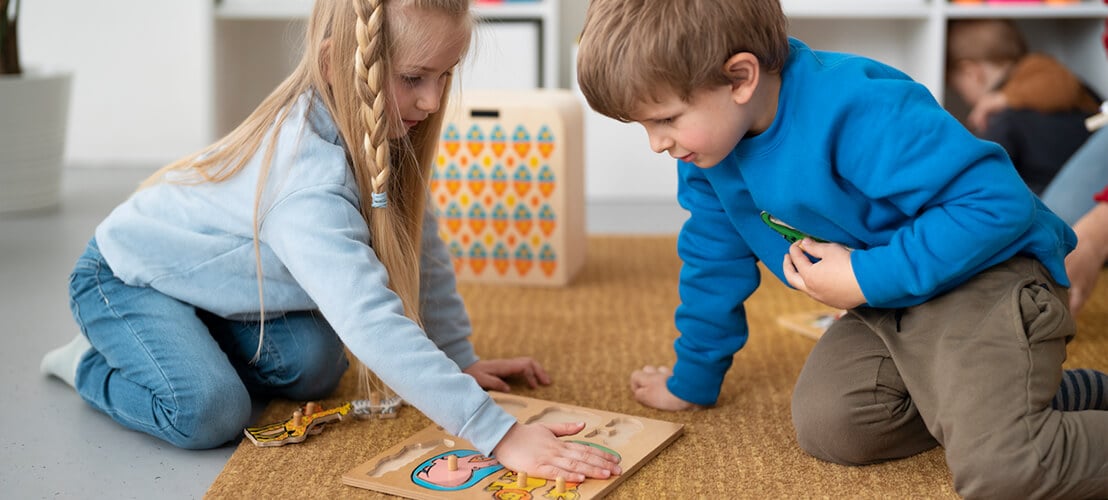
(649, 387)
(831, 280)
(536, 450)
(491, 373)
(1084, 264)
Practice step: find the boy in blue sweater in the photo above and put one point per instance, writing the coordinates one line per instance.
(950, 268)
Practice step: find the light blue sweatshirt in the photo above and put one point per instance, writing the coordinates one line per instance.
(861, 155)
(195, 243)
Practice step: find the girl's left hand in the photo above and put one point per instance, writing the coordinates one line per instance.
(831, 280)
(491, 373)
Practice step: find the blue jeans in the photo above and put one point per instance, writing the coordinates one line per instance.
(182, 374)
(1070, 194)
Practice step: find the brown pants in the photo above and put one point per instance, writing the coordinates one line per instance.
(973, 370)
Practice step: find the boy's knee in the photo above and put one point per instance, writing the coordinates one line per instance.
(825, 429)
(837, 428)
(981, 475)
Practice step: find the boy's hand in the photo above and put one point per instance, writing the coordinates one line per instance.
(649, 387)
(491, 373)
(536, 450)
(831, 280)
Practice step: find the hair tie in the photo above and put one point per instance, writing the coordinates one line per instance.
(380, 200)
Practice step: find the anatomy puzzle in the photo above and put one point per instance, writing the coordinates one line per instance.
(434, 465)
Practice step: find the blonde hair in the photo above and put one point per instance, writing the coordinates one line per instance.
(634, 50)
(359, 40)
(989, 40)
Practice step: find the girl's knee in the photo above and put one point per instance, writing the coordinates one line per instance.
(314, 378)
(313, 368)
(208, 418)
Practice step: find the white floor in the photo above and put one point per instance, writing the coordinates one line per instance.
(55, 446)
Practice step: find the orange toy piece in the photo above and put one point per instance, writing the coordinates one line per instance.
(305, 421)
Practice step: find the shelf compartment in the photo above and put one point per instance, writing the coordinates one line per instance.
(1082, 10)
(299, 9)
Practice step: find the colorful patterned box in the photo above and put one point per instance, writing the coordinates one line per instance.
(509, 186)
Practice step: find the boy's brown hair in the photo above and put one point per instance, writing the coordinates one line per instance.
(987, 40)
(635, 50)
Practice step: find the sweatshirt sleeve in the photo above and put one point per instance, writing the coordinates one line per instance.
(443, 312)
(1102, 196)
(718, 274)
(1041, 83)
(319, 235)
(960, 201)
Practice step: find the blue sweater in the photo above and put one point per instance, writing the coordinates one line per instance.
(861, 155)
(195, 243)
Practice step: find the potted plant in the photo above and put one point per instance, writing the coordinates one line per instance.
(35, 108)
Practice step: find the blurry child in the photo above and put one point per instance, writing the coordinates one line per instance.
(245, 269)
(950, 268)
(1027, 102)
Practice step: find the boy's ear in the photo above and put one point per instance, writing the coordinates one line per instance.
(744, 72)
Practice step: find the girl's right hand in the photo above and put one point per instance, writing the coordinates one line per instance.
(536, 450)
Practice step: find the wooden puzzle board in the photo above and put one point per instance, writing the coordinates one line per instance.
(417, 468)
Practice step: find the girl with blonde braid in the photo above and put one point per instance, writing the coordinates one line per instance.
(246, 268)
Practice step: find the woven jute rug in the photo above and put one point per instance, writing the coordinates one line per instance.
(616, 316)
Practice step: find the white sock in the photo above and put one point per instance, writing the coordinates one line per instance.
(62, 362)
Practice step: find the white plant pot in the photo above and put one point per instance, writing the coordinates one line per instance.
(34, 109)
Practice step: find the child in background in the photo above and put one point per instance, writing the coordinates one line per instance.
(245, 269)
(1071, 194)
(1027, 102)
(950, 268)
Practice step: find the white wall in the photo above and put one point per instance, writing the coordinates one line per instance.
(142, 73)
(572, 16)
(147, 77)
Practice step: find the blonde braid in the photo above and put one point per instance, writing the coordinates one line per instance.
(398, 252)
(370, 70)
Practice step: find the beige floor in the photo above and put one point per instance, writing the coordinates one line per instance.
(54, 445)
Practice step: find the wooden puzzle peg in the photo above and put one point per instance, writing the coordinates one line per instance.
(452, 463)
(560, 485)
(297, 418)
(521, 479)
(311, 408)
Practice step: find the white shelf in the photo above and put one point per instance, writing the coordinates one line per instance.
(857, 9)
(514, 10)
(299, 9)
(263, 9)
(1074, 11)
(542, 12)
